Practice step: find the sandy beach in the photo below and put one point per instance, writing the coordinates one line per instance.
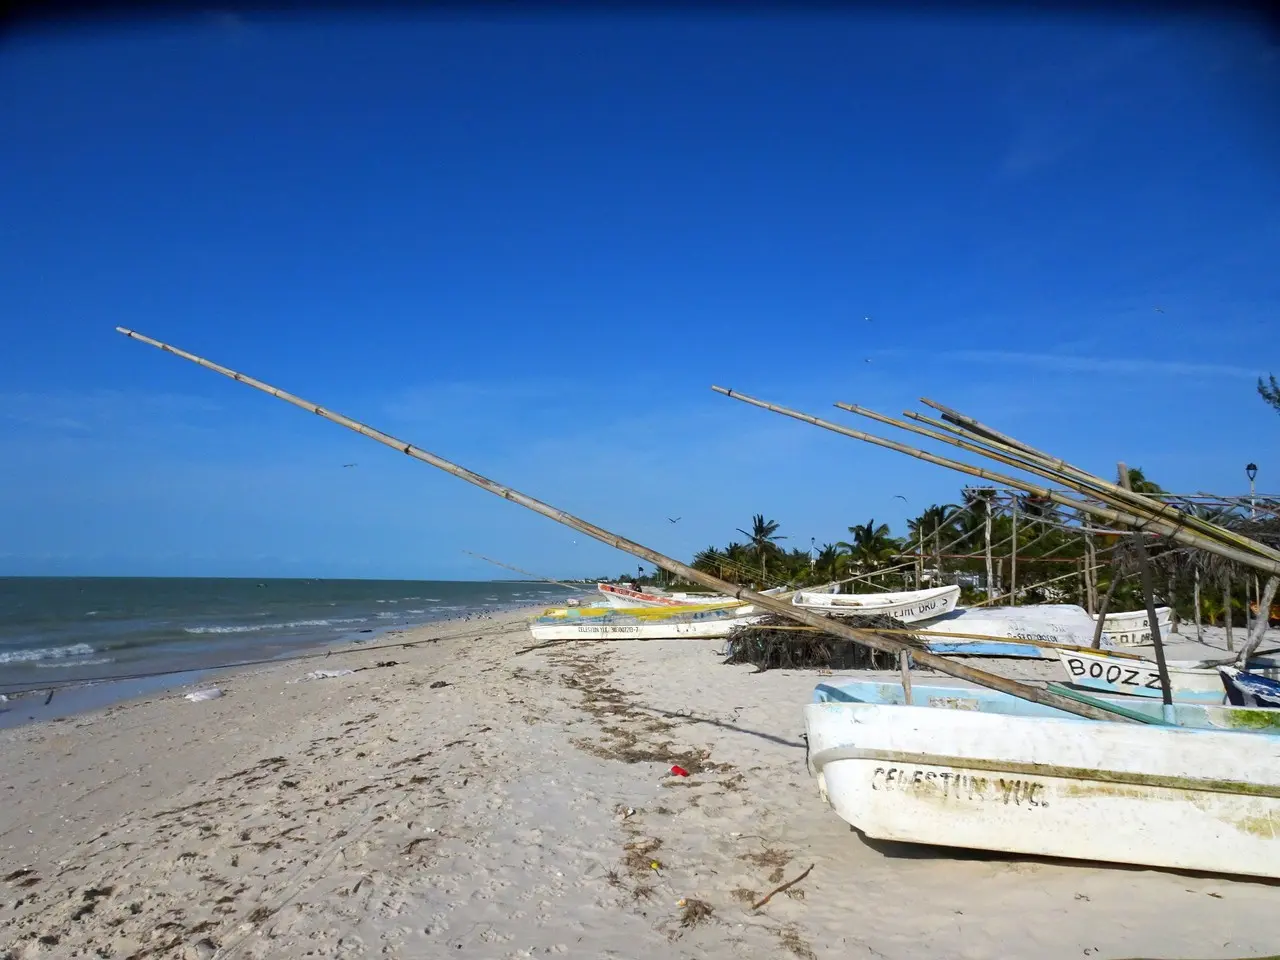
(475, 801)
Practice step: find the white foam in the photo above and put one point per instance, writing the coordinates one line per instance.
(77, 663)
(256, 627)
(46, 653)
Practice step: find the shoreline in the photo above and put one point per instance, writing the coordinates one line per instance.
(484, 804)
(67, 698)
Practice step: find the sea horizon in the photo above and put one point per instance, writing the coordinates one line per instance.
(63, 631)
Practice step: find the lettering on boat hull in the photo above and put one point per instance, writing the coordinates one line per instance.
(964, 787)
(1113, 673)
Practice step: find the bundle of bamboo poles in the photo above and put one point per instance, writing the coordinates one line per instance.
(1110, 502)
(1086, 707)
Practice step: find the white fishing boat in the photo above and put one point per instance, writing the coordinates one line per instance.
(988, 779)
(641, 623)
(1131, 628)
(1010, 631)
(909, 606)
(1190, 681)
(627, 598)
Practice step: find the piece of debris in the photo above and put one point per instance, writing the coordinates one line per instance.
(437, 684)
(325, 674)
(694, 912)
(212, 693)
(679, 771)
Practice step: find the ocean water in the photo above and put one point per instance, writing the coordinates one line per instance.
(56, 629)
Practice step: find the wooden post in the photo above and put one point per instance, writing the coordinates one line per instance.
(1148, 593)
(919, 556)
(1084, 577)
(1093, 572)
(1013, 558)
(904, 665)
(1196, 591)
(986, 528)
(1226, 608)
(1106, 602)
(1173, 610)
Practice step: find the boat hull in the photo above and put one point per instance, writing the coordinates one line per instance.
(1201, 716)
(1132, 628)
(910, 606)
(679, 630)
(1116, 792)
(1139, 677)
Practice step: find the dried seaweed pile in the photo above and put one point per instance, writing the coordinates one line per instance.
(781, 649)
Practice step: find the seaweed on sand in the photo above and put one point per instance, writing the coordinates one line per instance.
(790, 649)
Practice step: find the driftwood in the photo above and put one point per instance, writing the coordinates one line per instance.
(777, 890)
(868, 638)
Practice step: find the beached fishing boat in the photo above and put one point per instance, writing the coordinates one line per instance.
(1189, 680)
(1250, 689)
(1011, 631)
(956, 696)
(640, 623)
(909, 606)
(626, 598)
(1131, 628)
(991, 779)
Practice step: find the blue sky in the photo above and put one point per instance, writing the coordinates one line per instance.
(532, 245)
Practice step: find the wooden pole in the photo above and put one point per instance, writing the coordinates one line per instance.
(1091, 554)
(1114, 516)
(867, 638)
(1226, 608)
(1041, 461)
(904, 665)
(1013, 558)
(1148, 593)
(578, 588)
(1261, 621)
(986, 534)
(1196, 591)
(1102, 607)
(1160, 517)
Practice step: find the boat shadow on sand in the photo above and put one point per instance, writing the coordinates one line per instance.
(687, 717)
(905, 850)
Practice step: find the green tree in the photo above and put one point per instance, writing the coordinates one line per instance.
(1270, 392)
(762, 540)
(871, 547)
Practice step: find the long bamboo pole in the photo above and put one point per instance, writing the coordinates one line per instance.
(1148, 594)
(865, 637)
(577, 588)
(1153, 514)
(1106, 513)
(1101, 487)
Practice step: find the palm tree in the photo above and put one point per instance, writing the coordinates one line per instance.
(762, 539)
(871, 545)
(829, 563)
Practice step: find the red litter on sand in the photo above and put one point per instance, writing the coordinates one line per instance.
(679, 772)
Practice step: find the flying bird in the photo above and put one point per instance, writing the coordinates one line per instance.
(866, 318)
(1159, 309)
(350, 465)
(866, 359)
(900, 497)
(676, 520)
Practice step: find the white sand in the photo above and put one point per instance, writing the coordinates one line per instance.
(370, 815)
